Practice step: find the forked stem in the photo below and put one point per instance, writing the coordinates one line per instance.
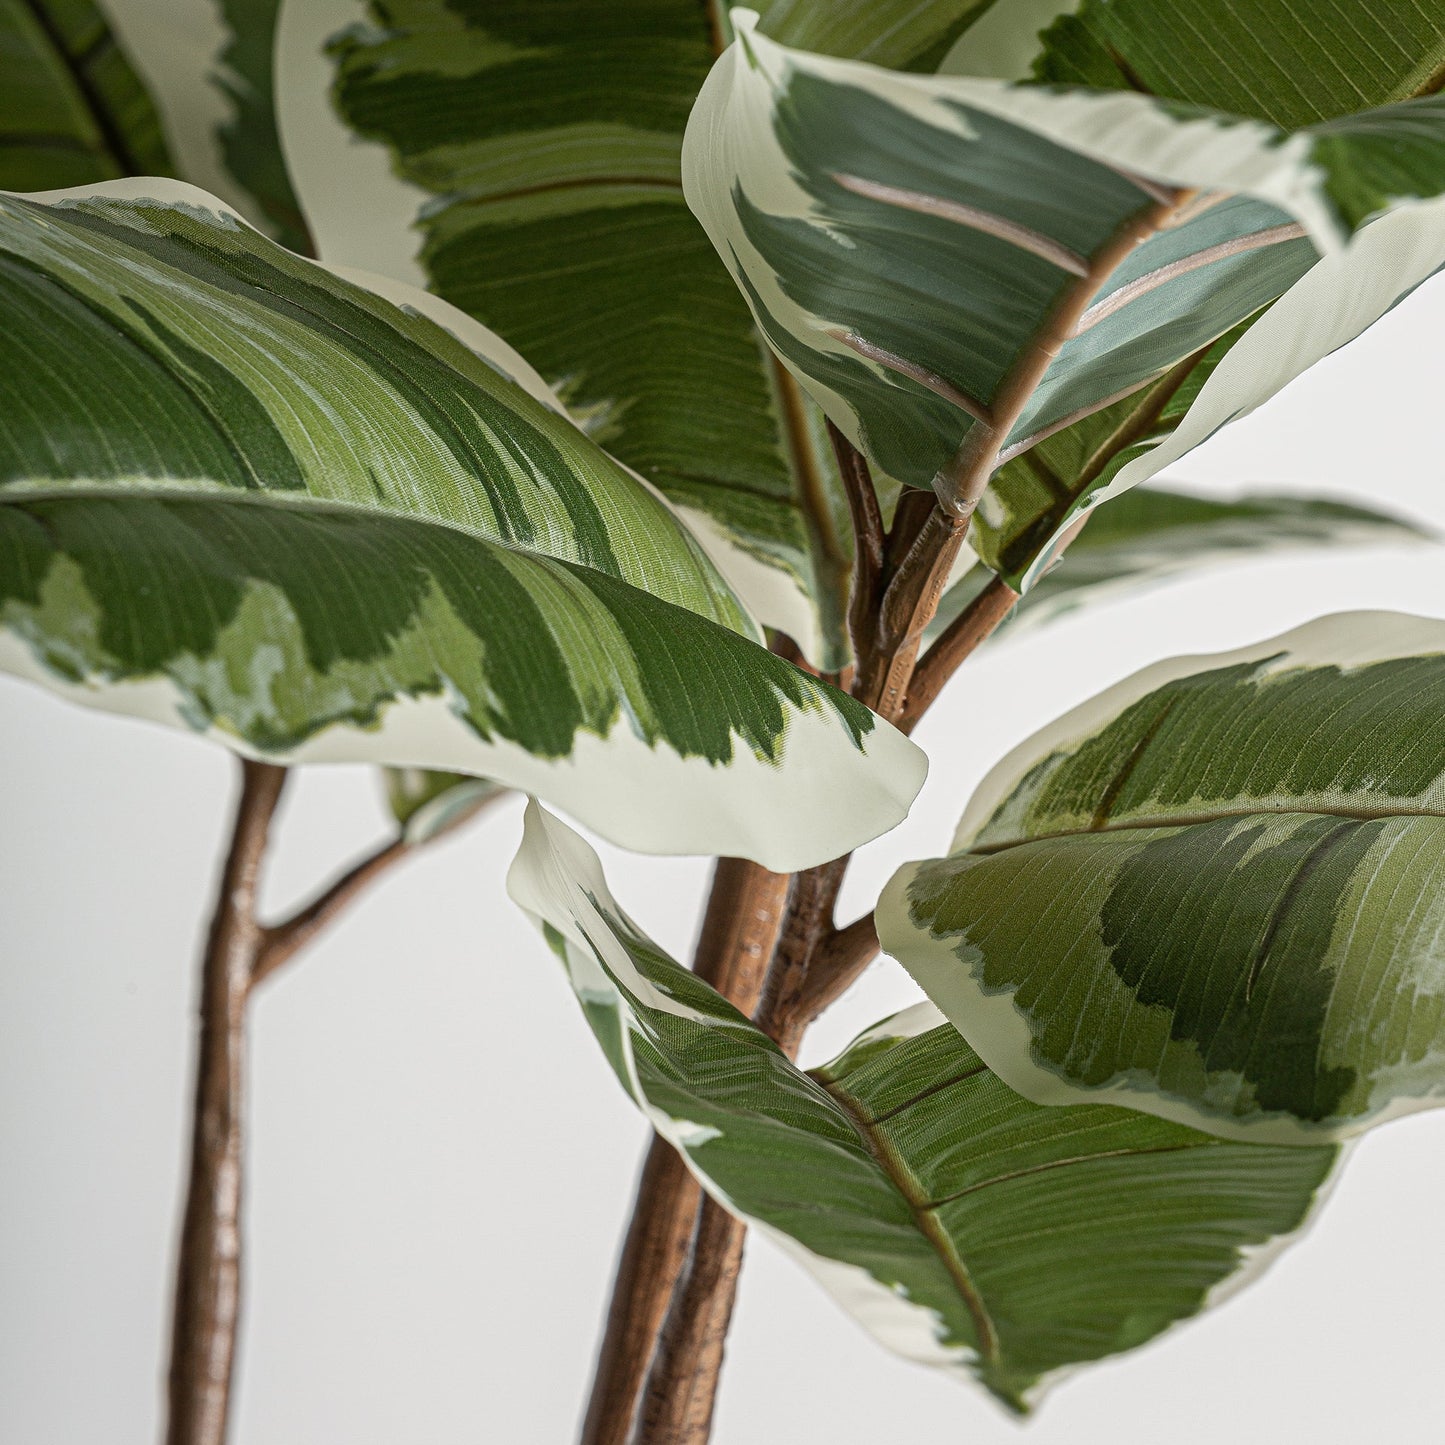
(208, 1274)
(240, 952)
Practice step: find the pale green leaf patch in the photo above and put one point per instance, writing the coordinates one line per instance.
(242, 494)
(1213, 892)
(964, 1227)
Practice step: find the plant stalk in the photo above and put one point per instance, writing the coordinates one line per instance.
(208, 1275)
(240, 952)
(739, 929)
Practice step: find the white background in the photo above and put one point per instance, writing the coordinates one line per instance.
(440, 1160)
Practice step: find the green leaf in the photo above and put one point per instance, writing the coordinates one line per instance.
(550, 137)
(1292, 65)
(965, 1227)
(948, 264)
(242, 494)
(428, 803)
(1153, 533)
(72, 110)
(1212, 892)
(249, 139)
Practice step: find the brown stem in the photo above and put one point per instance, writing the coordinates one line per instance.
(208, 1277)
(836, 967)
(971, 627)
(868, 538)
(282, 941)
(654, 1251)
(739, 930)
(682, 1388)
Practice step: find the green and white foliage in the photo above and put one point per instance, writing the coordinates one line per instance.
(208, 66)
(1151, 534)
(921, 250)
(1212, 892)
(244, 495)
(427, 803)
(963, 1226)
(72, 110)
(249, 139)
(549, 137)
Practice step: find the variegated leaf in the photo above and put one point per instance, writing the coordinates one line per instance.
(550, 138)
(957, 268)
(427, 803)
(245, 495)
(1153, 533)
(1213, 892)
(964, 1227)
(210, 66)
(72, 110)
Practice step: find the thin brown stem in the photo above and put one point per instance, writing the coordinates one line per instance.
(208, 1276)
(840, 959)
(971, 627)
(682, 1388)
(739, 930)
(654, 1251)
(809, 922)
(868, 536)
(282, 941)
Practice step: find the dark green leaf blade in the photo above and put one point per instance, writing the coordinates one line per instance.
(72, 110)
(965, 1227)
(245, 495)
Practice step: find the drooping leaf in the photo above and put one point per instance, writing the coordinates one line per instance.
(1152, 533)
(245, 495)
(551, 136)
(957, 268)
(965, 1227)
(72, 110)
(1212, 892)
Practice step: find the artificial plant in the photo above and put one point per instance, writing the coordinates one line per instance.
(764, 367)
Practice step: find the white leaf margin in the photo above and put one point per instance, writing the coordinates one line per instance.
(649, 799)
(557, 879)
(989, 1020)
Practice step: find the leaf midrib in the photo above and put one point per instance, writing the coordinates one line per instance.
(301, 502)
(927, 1222)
